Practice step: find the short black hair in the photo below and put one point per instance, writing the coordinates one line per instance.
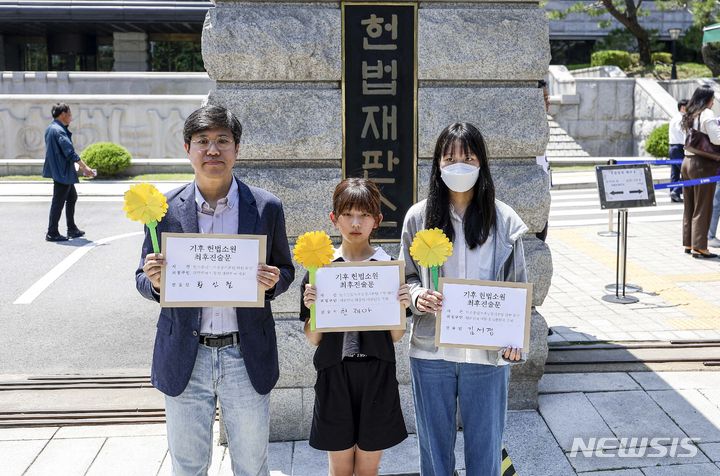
(682, 103)
(58, 109)
(211, 117)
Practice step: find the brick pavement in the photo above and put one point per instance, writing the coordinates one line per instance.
(680, 298)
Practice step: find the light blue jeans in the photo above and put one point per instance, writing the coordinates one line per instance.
(481, 391)
(218, 374)
(715, 217)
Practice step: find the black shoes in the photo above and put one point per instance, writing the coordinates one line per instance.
(703, 254)
(674, 197)
(76, 233)
(55, 237)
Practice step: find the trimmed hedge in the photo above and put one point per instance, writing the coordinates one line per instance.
(657, 143)
(107, 157)
(661, 57)
(618, 58)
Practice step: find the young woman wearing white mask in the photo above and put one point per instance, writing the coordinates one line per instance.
(486, 236)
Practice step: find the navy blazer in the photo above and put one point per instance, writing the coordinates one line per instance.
(176, 341)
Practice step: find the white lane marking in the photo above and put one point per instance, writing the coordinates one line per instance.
(30, 199)
(40, 285)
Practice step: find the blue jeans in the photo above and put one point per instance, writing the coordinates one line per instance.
(715, 217)
(218, 374)
(481, 391)
(677, 151)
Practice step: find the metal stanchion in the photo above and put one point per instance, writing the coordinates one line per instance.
(621, 263)
(610, 231)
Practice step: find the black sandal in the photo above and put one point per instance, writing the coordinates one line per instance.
(705, 255)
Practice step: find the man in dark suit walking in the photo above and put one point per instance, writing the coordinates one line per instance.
(207, 354)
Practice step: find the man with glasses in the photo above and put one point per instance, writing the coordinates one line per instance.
(207, 354)
(60, 160)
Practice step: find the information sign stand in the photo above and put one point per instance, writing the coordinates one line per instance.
(622, 187)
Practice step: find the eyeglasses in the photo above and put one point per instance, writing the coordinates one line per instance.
(222, 143)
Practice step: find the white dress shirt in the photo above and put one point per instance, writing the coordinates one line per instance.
(222, 220)
(675, 132)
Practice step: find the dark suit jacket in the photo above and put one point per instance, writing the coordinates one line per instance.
(176, 342)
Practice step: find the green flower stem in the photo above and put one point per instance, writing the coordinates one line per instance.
(152, 226)
(312, 272)
(434, 273)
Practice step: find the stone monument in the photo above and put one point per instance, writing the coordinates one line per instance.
(278, 66)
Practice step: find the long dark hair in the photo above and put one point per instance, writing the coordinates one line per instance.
(698, 103)
(480, 215)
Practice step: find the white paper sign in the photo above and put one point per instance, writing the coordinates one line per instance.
(624, 184)
(484, 314)
(354, 296)
(211, 270)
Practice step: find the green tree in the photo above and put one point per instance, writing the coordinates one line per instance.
(626, 12)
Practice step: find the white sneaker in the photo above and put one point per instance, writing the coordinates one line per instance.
(714, 242)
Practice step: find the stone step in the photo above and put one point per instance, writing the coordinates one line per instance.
(560, 144)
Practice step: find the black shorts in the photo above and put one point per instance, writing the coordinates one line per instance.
(357, 402)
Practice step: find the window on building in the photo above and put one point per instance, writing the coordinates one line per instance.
(181, 55)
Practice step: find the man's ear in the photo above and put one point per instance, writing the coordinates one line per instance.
(333, 219)
(378, 220)
(187, 148)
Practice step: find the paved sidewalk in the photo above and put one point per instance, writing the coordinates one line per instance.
(679, 301)
(673, 407)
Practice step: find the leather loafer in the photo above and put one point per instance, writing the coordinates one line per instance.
(676, 198)
(76, 233)
(697, 254)
(688, 250)
(55, 237)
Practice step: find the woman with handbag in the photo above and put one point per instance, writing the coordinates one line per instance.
(702, 152)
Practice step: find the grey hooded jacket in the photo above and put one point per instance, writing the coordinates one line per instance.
(509, 266)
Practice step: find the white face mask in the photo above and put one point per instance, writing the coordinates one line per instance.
(460, 177)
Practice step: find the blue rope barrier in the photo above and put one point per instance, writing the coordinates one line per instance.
(688, 183)
(650, 162)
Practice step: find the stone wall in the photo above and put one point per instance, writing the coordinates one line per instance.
(278, 67)
(684, 89)
(77, 82)
(653, 107)
(148, 126)
(599, 116)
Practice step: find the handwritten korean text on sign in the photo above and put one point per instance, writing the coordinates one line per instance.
(484, 314)
(359, 296)
(211, 270)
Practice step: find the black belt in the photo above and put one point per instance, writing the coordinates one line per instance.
(219, 341)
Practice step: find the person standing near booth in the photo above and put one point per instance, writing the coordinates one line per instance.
(676, 139)
(698, 203)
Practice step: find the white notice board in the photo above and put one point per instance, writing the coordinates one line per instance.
(484, 314)
(359, 296)
(206, 270)
(625, 186)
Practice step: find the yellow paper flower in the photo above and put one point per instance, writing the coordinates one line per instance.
(314, 249)
(145, 203)
(431, 247)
